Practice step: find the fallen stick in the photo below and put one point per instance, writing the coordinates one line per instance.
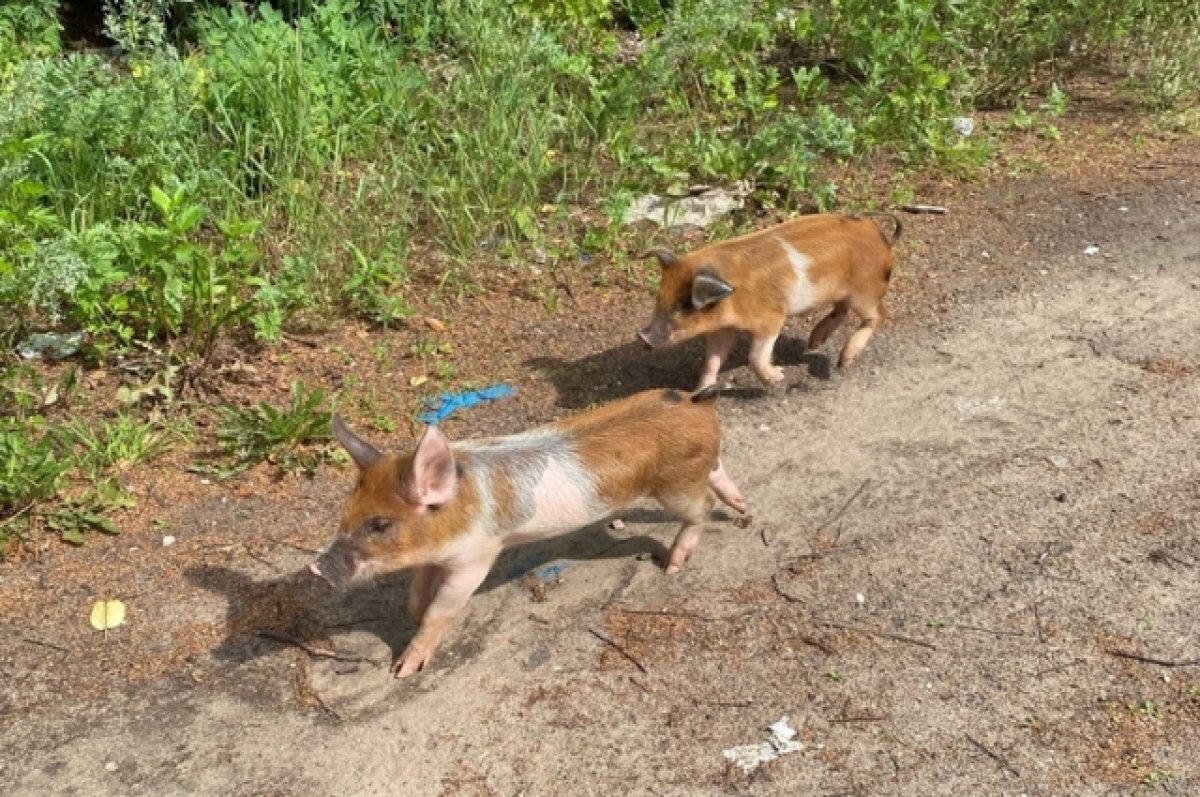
(43, 643)
(312, 650)
(783, 593)
(863, 718)
(936, 210)
(1152, 660)
(608, 640)
(999, 759)
(877, 632)
(845, 506)
(992, 631)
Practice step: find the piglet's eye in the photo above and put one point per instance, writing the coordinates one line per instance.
(377, 525)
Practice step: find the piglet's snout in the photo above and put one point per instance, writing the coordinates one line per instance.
(315, 569)
(334, 567)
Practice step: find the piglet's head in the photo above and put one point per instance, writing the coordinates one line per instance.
(691, 301)
(397, 515)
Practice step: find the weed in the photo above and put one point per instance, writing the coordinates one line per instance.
(1150, 710)
(112, 445)
(283, 437)
(1157, 776)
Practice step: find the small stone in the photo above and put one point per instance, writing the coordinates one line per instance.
(1060, 462)
(1091, 249)
(762, 427)
(168, 540)
(111, 766)
(860, 598)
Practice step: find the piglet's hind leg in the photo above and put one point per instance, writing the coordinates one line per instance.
(725, 489)
(694, 510)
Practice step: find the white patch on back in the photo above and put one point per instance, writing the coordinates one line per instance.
(564, 499)
(803, 295)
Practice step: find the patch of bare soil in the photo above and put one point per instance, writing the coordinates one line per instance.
(972, 567)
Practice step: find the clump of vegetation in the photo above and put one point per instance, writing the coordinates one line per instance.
(227, 172)
(283, 436)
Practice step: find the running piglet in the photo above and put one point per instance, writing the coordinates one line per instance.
(446, 510)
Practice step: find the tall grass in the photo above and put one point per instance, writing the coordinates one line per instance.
(346, 131)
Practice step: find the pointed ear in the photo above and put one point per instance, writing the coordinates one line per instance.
(665, 258)
(431, 478)
(363, 453)
(708, 288)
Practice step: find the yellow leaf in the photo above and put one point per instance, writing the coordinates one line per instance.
(107, 614)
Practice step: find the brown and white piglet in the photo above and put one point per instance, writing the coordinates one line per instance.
(753, 283)
(447, 510)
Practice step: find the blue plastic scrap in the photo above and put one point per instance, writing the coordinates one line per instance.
(442, 407)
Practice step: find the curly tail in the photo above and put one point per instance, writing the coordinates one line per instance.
(897, 225)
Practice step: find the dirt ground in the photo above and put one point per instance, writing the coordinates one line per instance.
(973, 565)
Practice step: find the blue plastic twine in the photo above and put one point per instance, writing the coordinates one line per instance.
(442, 407)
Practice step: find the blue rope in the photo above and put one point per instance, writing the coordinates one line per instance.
(442, 407)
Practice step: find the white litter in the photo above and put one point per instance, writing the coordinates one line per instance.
(168, 540)
(1091, 249)
(751, 756)
(699, 209)
(964, 126)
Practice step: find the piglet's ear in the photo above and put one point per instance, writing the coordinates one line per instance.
(708, 288)
(665, 258)
(431, 478)
(363, 453)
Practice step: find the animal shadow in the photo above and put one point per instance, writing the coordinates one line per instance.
(622, 370)
(299, 606)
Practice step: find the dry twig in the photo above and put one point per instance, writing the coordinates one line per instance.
(45, 644)
(1152, 660)
(999, 759)
(877, 633)
(782, 592)
(608, 640)
(311, 650)
(845, 506)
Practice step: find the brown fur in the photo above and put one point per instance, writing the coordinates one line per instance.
(628, 445)
(850, 266)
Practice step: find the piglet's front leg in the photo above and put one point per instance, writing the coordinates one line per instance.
(458, 584)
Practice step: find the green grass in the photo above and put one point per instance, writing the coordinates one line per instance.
(288, 437)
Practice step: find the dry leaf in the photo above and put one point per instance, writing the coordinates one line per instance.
(435, 324)
(107, 614)
(417, 381)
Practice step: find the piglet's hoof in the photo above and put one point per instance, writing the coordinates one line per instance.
(410, 663)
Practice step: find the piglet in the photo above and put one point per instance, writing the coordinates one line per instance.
(447, 510)
(753, 283)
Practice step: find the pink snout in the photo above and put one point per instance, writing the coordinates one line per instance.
(315, 569)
